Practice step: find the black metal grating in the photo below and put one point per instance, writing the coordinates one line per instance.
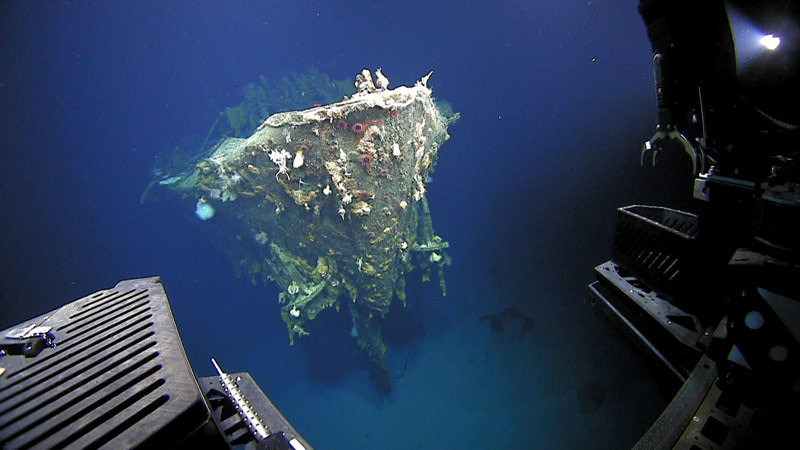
(117, 377)
(659, 246)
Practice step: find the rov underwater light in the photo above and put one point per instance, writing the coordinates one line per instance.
(770, 41)
(750, 42)
(766, 37)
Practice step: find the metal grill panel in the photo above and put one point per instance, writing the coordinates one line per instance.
(659, 246)
(117, 378)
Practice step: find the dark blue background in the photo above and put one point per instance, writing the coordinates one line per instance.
(555, 97)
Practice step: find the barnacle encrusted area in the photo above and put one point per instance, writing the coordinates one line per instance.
(330, 204)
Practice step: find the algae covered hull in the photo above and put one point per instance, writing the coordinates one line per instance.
(330, 204)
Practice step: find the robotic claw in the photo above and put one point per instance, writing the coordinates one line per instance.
(666, 133)
(667, 136)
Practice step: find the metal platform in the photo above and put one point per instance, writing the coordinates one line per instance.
(109, 371)
(671, 337)
(117, 376)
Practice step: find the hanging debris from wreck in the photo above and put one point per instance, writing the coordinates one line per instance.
(330, 204)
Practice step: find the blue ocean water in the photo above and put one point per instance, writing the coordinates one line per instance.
(555, 99)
